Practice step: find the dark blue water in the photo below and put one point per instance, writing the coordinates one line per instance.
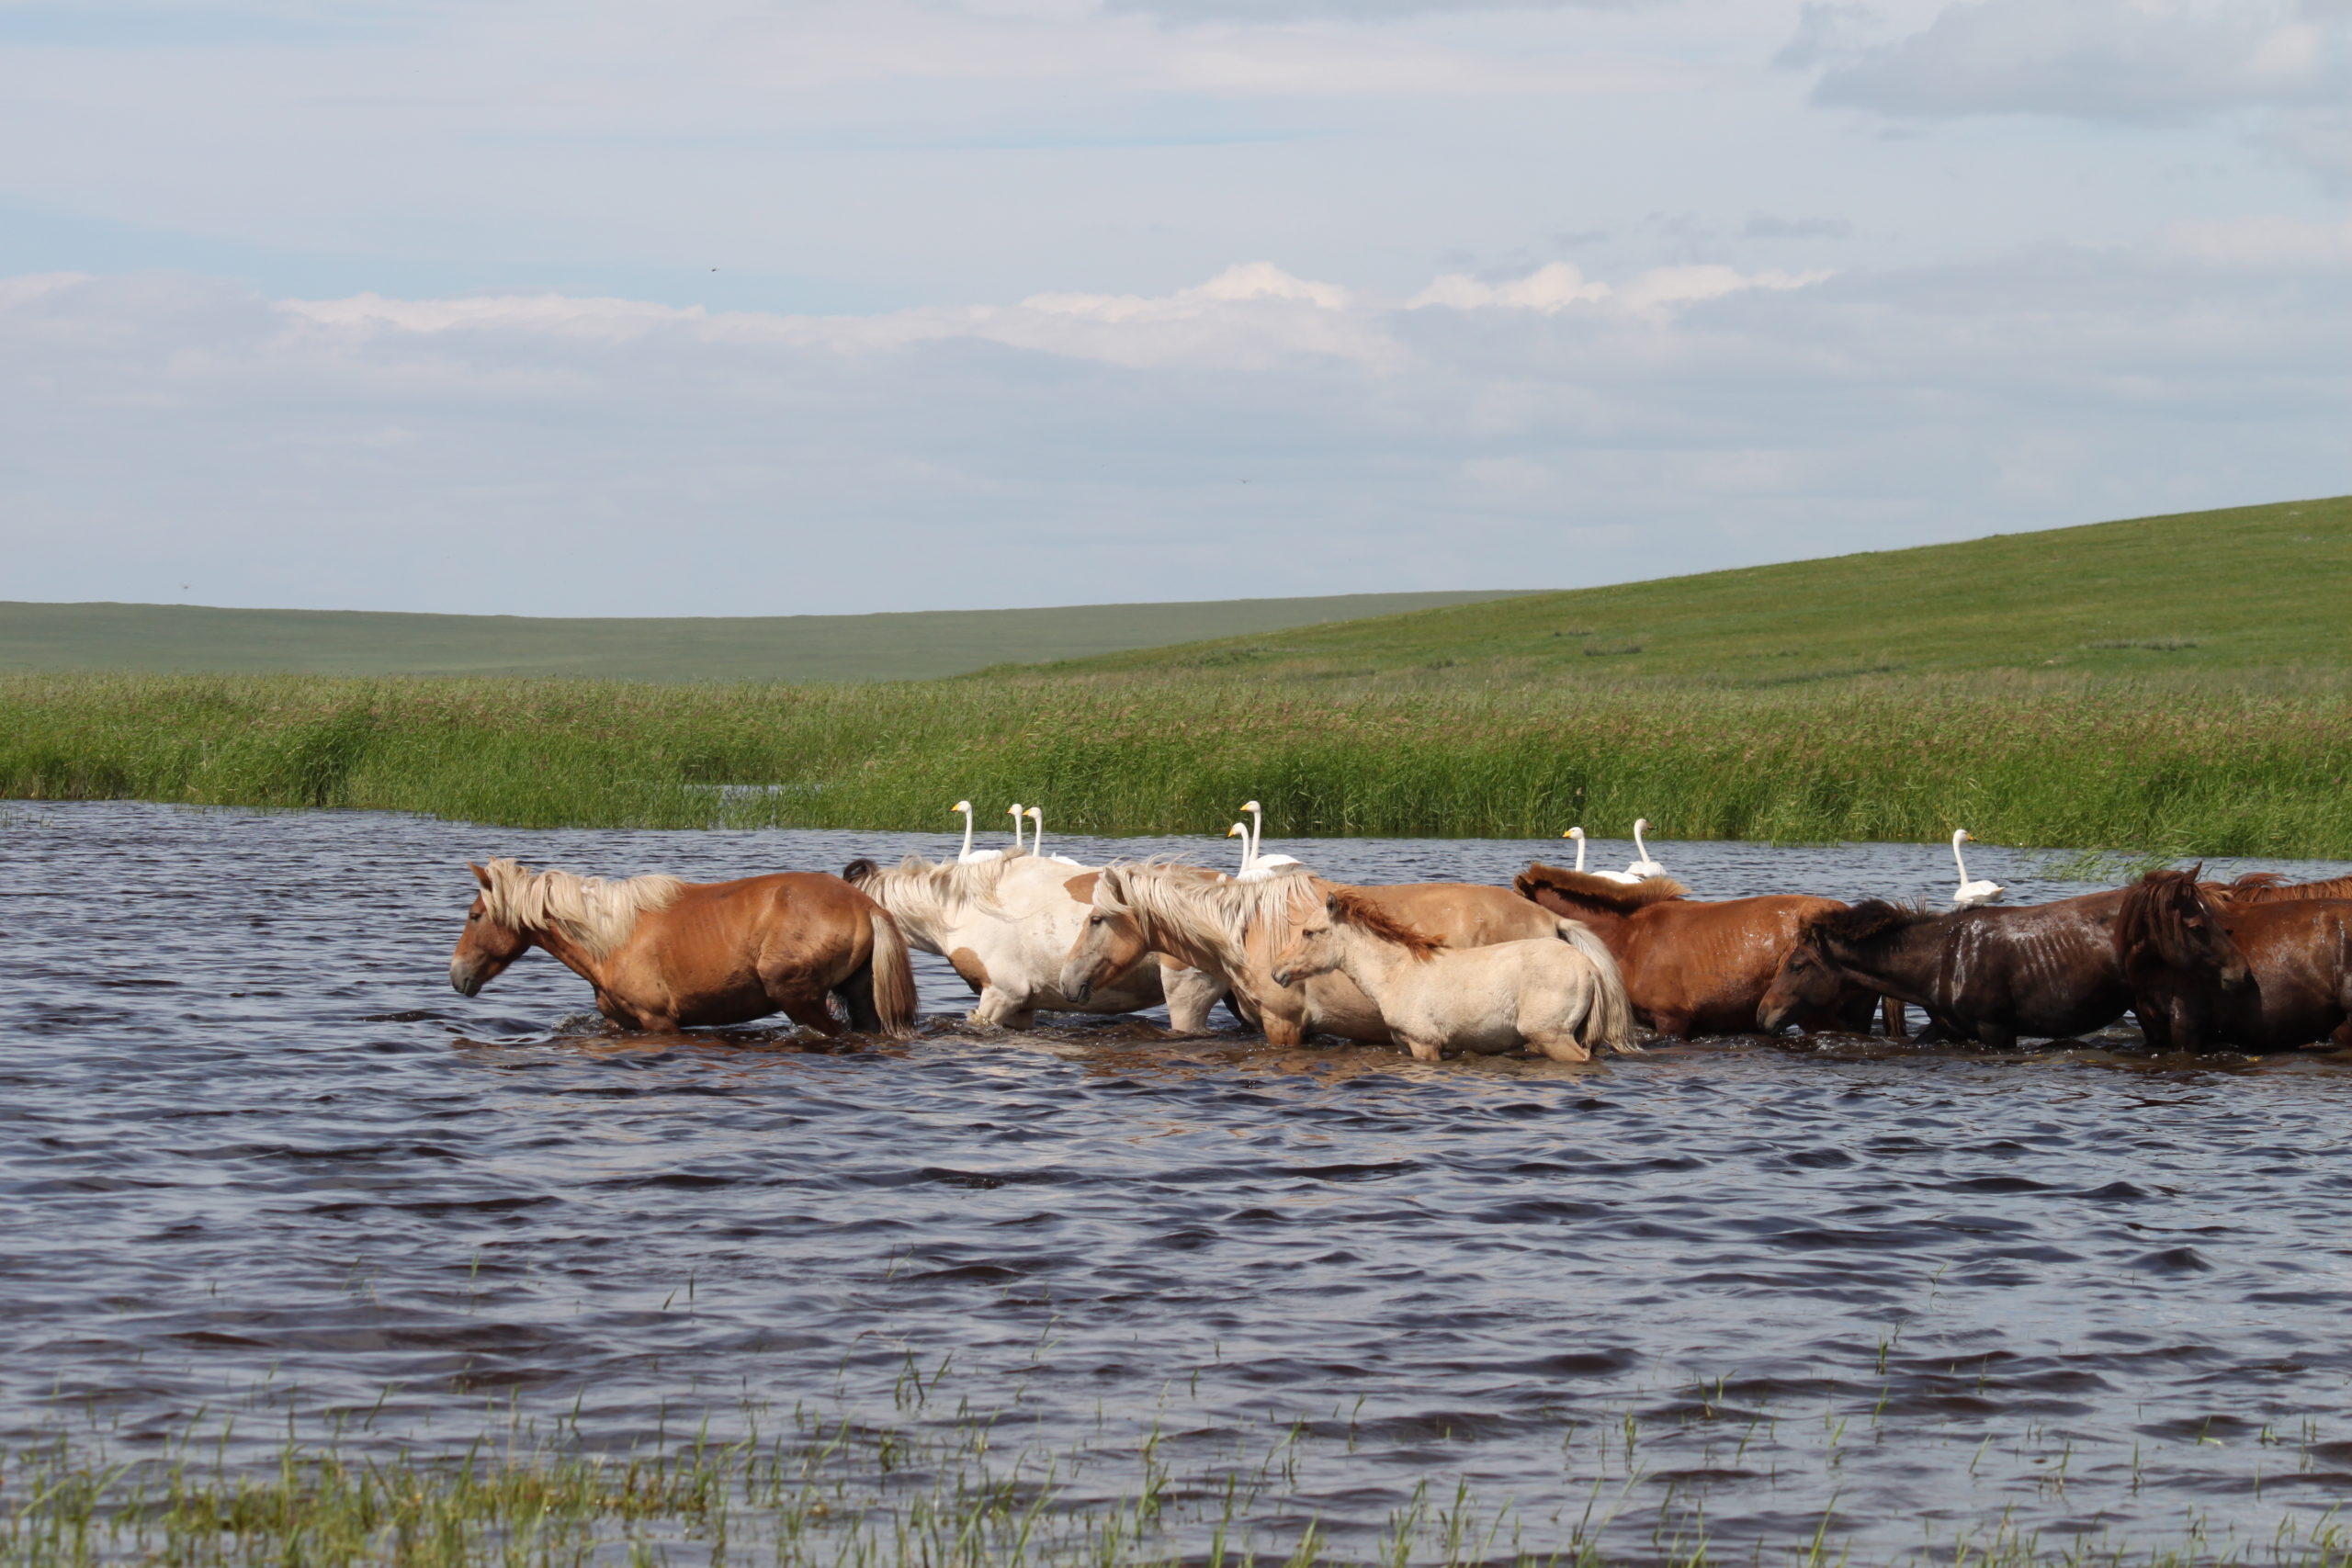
(257, 1160)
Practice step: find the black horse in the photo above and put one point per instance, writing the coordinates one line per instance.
(1991, 974)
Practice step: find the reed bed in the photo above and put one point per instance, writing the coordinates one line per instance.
(2184, 768)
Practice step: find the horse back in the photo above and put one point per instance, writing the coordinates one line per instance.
(1463, 914)
(1710, 960)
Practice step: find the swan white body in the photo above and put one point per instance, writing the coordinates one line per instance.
(1642, 866)
(1970, 895)
(970, 855)
(1255, 866)
(1037, 839)
(1577, 834)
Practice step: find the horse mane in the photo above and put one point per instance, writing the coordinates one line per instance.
(2272, 888)
(1871, 922)
(1352, 908)
(1623, 897)
(2152, 913)
(591, 912)
(931, 892)
(1221, 913)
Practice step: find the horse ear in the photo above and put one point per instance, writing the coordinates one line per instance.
(479, 875)
(1332, 905)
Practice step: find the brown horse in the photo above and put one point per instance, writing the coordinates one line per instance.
(665, 954)
(2270, 887)
(1697, 966)
(1991, 974)
(1232, 930)
(2207, 971)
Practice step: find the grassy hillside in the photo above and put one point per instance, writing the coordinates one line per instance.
(2176, 685)
(2248, 589)
(911, 646)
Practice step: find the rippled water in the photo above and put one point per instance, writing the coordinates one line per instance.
(255, 1158)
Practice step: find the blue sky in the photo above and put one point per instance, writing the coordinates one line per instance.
(741, 308)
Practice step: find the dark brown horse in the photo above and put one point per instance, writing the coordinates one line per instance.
(2208, 971)
(665, 954)
(1692, 966)
(1989, 974)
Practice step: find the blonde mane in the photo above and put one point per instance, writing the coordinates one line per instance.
(932, 893)
(592, 913)
(1219, 914)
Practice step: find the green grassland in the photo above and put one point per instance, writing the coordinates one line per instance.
(2174, 686)
(914, 645)
(2247, 591)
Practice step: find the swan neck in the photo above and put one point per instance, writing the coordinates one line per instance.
(966, 853)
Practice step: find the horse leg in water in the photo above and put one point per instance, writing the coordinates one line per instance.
(1191, 994)
(796, 993)
(2000, 1036)
(1898, 1022)
(1424, 1050)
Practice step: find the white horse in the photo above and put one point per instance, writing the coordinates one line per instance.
(1561, 995)
(1007, 925)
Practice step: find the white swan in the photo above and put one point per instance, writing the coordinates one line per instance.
(1261, 866)
(1972, 894)
(1642, 866)
(1577, 834)
(1240, 830)
(970, 854)
(1018, 841)
(1037, 838)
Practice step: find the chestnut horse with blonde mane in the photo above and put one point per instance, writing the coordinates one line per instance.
(665, 954)
(1697, 966)
(1231, 930)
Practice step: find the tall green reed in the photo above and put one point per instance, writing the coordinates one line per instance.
(2182, 769)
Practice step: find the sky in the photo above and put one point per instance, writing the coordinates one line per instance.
(771, 307)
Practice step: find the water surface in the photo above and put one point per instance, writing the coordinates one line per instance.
(257, 1162)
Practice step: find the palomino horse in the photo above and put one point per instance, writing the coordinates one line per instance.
(1006, 925)
(1988, 974)
(665, 954)
(2207, 971)
(1559, 994)
(1232, 928)
(1696, 966)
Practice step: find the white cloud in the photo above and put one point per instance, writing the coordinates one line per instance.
(550, 455)
(2263, 242)
(2130, 60)
(1560, 285)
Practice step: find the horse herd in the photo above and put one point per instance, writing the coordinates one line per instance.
(1563, 963)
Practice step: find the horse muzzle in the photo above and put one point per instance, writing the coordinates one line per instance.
(2236, 978)
(1772, 1020)
(465, 979)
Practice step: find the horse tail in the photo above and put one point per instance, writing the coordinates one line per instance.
(1610, 1021)
(894, 977)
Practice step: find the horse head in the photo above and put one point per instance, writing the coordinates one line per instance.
(487, 945)
(1109, 944)
(2166, 924)
(1813, 973)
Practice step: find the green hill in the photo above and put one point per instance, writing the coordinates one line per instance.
(2235, 590)
(907, 645)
